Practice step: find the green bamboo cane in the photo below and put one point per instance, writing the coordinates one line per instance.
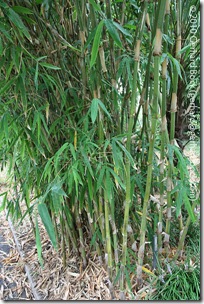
(81, 238)
(163, 128)
(115, 108)
(108, 237)
(114, 232)
(123, 12)
(69, 231)
(156, 54)
(98, 205)
(62, 225)
(80, 8)
(178, 57)
(69, 227)
(93, 230)
(183, 234)
(128, 147)
(172, 128)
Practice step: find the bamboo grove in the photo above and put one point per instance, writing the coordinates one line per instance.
(90, 97)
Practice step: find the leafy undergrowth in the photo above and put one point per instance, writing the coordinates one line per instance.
(184, 281)
(182, 284)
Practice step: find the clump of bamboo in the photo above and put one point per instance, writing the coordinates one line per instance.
(74, 79)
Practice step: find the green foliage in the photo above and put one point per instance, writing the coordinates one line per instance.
(179, 286)
(44, 214)
(96, 43)
(184, 282)
(76, 117)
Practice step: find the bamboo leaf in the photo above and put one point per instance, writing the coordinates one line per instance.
(189, 207)
(63, 147)
(40, 58)
(184, 49)
(181, 159)
(100, 178)
(95, 5)
(139, 184)
(22, 10)
(36, 77)
(90, 38)
(96, 43)
(146, 270)
(74, 172)
(129, 156)
(1, 47)
(7, 86)
(90, 186)
(117, 178)
(3, 205)
(4, 126)
(115, 154)
(72, 149)
(45, 216)
(56, 202)
(57, 155)
(128, 280)
(47, 169)
(70, 180)
(94, 109)
(122, 29)
(167, 39)
(16, 20)
(141, 214)
(5, 32)
(113, 32)
(87, 162)
(32, 136)
(104, 108)
(176, 64)
(49, 66)
(108, 183)
(57, 188)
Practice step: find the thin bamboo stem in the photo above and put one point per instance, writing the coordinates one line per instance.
(172, 129)
(115, 108)
(163, 129)
(156, 54)
(108, 239)
(183, 234)
(81, 238)
(128, 147)
(63, 241)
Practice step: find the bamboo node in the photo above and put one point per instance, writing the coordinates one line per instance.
(174, 103)
(159, 227)
(158, 39)
(166, 237)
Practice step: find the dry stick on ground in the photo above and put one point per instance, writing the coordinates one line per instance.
(27, 268)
